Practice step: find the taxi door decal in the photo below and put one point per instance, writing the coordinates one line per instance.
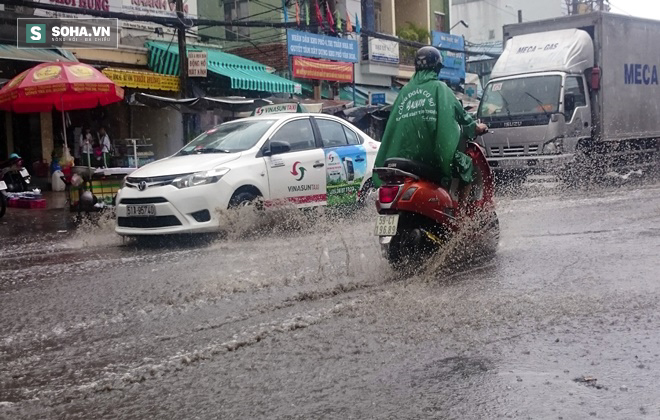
(346, 167)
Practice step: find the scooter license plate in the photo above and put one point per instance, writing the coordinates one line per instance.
(386, 224)
(24, 173)
(3, 185)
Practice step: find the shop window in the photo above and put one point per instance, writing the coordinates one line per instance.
(439, 21)
(378, 15)
(236, 10)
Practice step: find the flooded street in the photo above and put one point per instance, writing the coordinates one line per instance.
(312, 323)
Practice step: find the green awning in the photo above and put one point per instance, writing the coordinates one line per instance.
(37, 55)
(244, 74)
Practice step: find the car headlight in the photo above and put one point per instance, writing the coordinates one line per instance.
(200, 178)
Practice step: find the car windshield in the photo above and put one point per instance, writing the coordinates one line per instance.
(522, 96)
(229, 137)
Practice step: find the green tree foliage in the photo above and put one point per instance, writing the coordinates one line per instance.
(411, 32)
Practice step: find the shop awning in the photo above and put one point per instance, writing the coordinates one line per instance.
(142, 79)
(244, 74)
(37, 55)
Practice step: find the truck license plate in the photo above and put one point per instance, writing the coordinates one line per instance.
(141, 211)
(512, 163)
(3, 186)
(386, 224)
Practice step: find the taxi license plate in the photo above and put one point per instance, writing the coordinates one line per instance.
(3, 185)
(386, 224)
(141, 210)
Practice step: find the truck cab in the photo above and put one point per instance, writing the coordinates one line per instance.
(537, 102)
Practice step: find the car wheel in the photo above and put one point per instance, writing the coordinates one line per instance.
(367, 192)
(244, 199)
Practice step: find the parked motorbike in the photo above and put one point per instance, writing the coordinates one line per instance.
(418, 212)
(15, 176)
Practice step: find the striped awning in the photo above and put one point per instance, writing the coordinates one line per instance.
(244, 74)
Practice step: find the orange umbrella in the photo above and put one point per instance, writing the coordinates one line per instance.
(65, 86)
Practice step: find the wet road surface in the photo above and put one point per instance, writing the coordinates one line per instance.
(561, 323)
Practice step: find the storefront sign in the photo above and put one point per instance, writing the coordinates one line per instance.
(377, 98)
(306, 44)
(158, 7)
(383, 51)
(142, 79)
(197, 63)
(454, 61)
(471, 90)
(309, 68)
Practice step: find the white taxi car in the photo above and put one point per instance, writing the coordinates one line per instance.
(304, 159)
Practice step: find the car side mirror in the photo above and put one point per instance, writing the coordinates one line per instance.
(277, 148)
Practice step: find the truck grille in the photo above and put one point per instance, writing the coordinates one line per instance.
(513, 151)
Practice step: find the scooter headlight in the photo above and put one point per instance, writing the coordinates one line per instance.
(200, 178)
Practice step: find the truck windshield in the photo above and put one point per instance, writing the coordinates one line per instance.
(523, 96)
(228, 138)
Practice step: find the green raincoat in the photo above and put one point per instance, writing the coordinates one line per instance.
(425, 126)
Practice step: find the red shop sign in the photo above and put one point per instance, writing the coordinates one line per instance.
(313, 68)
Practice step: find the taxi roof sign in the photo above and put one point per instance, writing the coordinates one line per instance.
(279, 109)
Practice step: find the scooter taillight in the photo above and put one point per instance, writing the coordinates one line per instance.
(387, 194)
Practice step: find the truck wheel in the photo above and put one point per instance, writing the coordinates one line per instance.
(492, 234)
(510, 182)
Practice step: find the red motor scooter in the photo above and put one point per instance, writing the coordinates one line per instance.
(418, 211)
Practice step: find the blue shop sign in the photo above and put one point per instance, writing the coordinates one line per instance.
(305, 44)
(377, 98)
(454, 61)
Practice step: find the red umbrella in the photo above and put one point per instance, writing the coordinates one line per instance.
(65, 86)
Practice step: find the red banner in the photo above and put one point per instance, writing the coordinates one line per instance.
(312, 68)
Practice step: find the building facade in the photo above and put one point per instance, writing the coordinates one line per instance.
(485, 18)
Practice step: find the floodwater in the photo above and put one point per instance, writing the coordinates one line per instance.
(309, 322)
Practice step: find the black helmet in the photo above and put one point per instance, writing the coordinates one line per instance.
(428, 58)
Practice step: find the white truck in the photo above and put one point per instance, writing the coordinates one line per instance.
(579, 88)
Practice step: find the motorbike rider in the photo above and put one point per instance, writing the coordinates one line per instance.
(425, 125)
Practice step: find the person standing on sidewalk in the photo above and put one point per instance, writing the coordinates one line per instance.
(86, 146)
(106, 146)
